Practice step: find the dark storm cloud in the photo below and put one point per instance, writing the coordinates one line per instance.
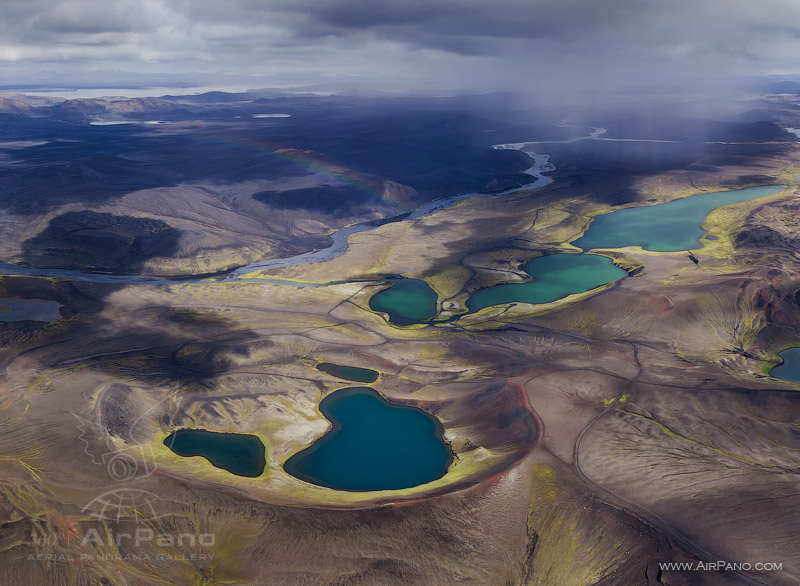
(24, 20)
(441, 39)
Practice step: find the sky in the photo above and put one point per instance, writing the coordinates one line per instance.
(502, 44)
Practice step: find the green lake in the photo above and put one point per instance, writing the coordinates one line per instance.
(790, 369)
(372, 445)
(554, 276)
(407, 301)
(353, 373)
(238, 453)
(665, 227)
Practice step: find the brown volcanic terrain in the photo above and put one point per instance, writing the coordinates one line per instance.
(595, 437)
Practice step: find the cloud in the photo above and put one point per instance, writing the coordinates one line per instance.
(472, 42)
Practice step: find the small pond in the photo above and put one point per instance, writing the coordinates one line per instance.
(352, 373)
(17, 309)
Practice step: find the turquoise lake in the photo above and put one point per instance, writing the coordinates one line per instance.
(790, 369)
(665, 227)
(238, 453)
(373, 445)
(554, 276)
(407, 301)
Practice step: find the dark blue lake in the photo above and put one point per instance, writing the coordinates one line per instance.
(373, 445)
(238, 453)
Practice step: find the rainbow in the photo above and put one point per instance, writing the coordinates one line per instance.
(305, 160)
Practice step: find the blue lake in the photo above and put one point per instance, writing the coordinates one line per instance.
(790, 369)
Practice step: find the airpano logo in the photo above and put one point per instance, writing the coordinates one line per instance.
(127, 517)
(145, 535)
(142, 507)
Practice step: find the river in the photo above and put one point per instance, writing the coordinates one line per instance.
(540, 165)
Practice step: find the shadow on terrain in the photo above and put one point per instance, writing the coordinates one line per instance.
(100, 242)
(154, 344)
(172, 346)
